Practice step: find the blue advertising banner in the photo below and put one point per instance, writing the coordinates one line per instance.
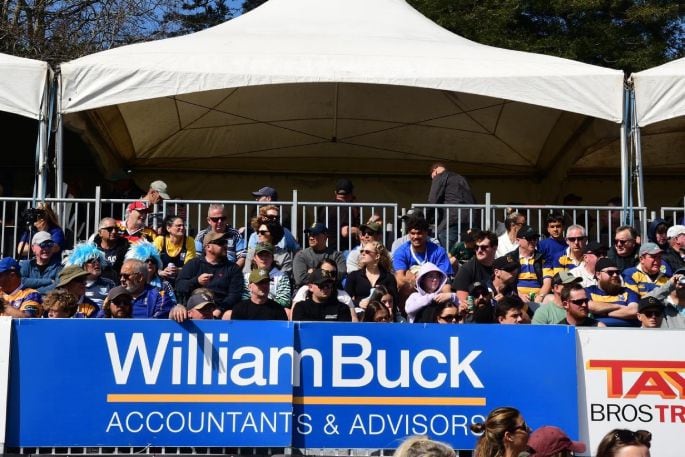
(78, 382)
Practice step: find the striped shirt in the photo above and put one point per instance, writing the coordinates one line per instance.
(641, 283)
(27, 300)
(625, 298)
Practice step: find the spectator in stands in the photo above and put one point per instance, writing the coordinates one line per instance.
(321, 303)
(675, 253)
(109, 240)
(266, 194)
(271, 213)
(72, 279)
(483, 308)
(235, 243)
(279, 285)
(650, 273)
(586, 270)
(657, 230)
(118, 304)
(133, 227)
(650, 312)
(45, 221)
(552, 310)
(626, 247)
(148, 301)
(510, 310)
(342, 221)
(376, 270)
(450, 188)
(215, 272)
(175, 248)
(554, 244)
(259, 306)
(430, 282)
(505, 272)
(200, 306)
(508, 241)
(576, 239)
(20, 301)
(381, 295)
(41, 272)
(271, 232)
(479, 268)
(59, 303)
(149, 255)
(611, 302)
(87, 256)
(625, 443)
(550, 441)
(464, 250)
(371, 231)
(503, 434)
(412, 254)
(306, 260)
(672, 294)
(156, 193)
(575, 302)
(535, 278)
(376, 311)
(441, 313)
(422, 446)
(331, 269)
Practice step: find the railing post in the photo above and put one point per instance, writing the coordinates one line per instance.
(97, 210)
(294, 215)
(488, 212)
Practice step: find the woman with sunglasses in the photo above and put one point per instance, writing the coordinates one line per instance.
(440, 313)
(175, 248)
(271, 232)
(503, 434)
(625, 443)
(45, 220)
(376, 312)
(375, 270)
(271, 213)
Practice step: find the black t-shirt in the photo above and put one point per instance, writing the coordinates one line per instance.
(472, 271)
(309, 310)
(587, 322)
(249, 311)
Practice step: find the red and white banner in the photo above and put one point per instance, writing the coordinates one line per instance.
(633, 379)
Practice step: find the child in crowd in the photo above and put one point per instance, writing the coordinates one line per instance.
(60, 304)
(429, 283)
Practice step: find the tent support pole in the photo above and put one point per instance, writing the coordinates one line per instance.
(59, 151)
(637, 147)
(625, 163)
(43, 138)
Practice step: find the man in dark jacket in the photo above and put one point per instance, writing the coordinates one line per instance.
(213, 271)
(449, 188)
(113, 245)
(322, 303)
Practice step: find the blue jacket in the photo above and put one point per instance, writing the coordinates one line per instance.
(43, 281)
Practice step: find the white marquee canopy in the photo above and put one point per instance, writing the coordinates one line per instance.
(660, 92)
(23, 85)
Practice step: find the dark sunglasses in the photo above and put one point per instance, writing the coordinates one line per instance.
(263, 232)
(573, 239)
(47, 244)
(481, 293)
(217, 219)
(652, 313)
(127, 276)
(623, 241)
(612, 272)
(366, 251)
(110, 229)
(523, 427)
(482, 247)
(450, 318)
(580, 301)
(121, 303)
(369, 233)
(326, 285)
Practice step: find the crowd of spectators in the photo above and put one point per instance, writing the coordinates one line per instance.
(129, 270)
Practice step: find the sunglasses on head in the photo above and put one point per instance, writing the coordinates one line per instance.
(628, 436)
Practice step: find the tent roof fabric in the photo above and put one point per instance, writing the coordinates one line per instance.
(344, 41)
(23, 85)
(660, 92)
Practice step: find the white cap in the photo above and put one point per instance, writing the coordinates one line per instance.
(160, 186)
(41, 237)
(674, 231)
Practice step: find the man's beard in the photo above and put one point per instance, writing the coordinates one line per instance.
(611, 288)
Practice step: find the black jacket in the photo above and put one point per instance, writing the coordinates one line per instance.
(227, 282)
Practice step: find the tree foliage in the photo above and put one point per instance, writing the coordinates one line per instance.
(628, 35)
(196, 15)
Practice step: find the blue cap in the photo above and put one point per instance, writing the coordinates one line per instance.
(316, 228)
(8, 264)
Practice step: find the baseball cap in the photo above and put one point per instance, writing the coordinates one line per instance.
(650, 248)
(506, 262)
(199, 301)
(140, 206)
(261, 247)
(564, 277)
(258, 275)
(344, 186)
(413, 212)
(41, 237)
(649, 302)
(8, 264)
(69, 273)
(160, 186)
(605, 262)
(320, 276)
(212, 236)
(527, 232)
(595, 248)
(549, 440)
(372, 226)
(674, 231)
(266, 192)
(477, 285)
(316, 228)
(118, 291)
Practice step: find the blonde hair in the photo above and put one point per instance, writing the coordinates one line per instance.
(384, 260)
(422, 446)
(60, 299)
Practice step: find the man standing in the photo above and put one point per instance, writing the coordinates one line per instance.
(342, 221)
(259, 307)
(148, 301)
(213, 271)
(575, 302)
(553, 311)
(650, 272)
(156, 193)
(114, 247)
(586, 270)
(235, 243)
(449, 188)
(479, 268)
(20, 301)
(610, 302)
(321, 304)
(266, 194)
(307, 259)
(41, 272)
(650, 312)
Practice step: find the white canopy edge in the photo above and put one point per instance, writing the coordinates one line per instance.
(23, 85)
(359, 41)
(660, 92)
